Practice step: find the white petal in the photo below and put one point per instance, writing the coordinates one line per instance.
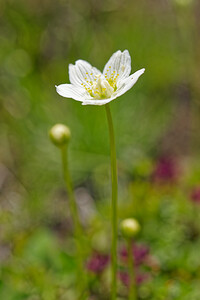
(82, 73)
(127, 83)
(98, 102)
(74, 92)
(119, 63)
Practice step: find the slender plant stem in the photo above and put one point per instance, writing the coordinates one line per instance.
(77, 225)
(114, 204)
(131, 266)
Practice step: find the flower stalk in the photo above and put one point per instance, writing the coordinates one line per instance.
(113, 203)
(92, 87)
(129, 228)
(131, 266)
(76, 221)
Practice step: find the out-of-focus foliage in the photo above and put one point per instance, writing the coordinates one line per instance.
(159, 117)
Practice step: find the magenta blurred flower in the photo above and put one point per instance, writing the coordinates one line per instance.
(195, 195)
(97, 262)
(166, 170)
(140, 253)
(141, 259)
(124, 277)
(140, 277)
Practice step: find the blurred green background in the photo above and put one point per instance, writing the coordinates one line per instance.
(158, 117)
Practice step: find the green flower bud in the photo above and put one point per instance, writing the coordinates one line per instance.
(60, 135)
(129, 227)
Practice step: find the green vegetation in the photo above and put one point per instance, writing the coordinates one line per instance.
(157, 141)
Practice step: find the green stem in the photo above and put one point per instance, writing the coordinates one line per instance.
(77, 225)
(114, 204)
(131, 267)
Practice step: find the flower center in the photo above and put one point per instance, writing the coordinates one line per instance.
(113, 77)
(101, 87)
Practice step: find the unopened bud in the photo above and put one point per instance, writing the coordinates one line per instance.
(130, 227)
(60, 135)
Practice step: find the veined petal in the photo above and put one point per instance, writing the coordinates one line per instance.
(74, 92)
(118, 65)
(82, 73)
(127, 83)
(98, 102)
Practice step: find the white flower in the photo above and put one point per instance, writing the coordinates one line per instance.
(90, 86)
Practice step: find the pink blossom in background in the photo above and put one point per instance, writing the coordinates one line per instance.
(140, 253)
(124, 277)
(141, 258)
(195, 195)
(97, 262)
(166, 170)
(140, 277)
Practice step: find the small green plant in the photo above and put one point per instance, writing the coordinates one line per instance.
(129, 229)
(60, 136)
